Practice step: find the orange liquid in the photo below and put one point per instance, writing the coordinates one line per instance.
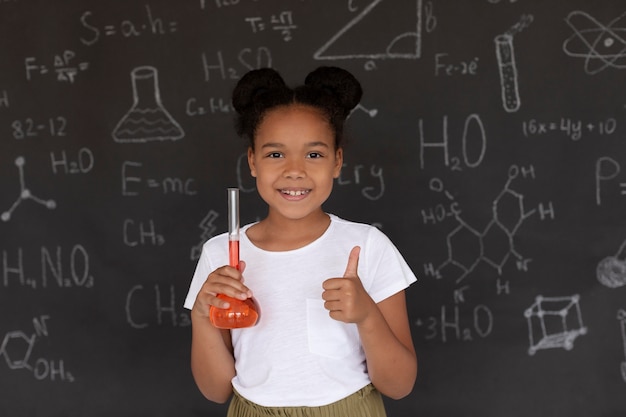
(233, 253)
(241, 313)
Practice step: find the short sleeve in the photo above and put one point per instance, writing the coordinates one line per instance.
(386, 271)
(214, 251)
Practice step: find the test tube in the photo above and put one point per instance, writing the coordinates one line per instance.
(240, 313)
(233, 227)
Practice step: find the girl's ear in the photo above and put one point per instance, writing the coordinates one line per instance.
(251, 161)
(338, 162)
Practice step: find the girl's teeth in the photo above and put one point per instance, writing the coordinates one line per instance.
(295, 193)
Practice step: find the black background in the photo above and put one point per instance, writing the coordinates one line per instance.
(529, 196)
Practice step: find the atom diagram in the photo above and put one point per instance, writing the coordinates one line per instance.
(601, 46)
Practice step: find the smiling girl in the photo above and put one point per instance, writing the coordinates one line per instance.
(334, 333)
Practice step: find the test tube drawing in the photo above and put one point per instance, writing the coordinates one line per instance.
(508, 72)
(147, 120)
(611, 271)
(505, 54)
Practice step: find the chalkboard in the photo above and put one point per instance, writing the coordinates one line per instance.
(490, 146)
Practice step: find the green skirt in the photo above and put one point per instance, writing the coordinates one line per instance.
(367, 402)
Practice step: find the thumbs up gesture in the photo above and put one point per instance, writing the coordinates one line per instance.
(345, 298)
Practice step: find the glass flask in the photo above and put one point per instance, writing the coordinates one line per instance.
(240, 313)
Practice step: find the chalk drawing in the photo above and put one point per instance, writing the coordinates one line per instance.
(147, 120)
(208, 228)
(611, 271)
(601, 46)
(621, 316)
(25, 193)
(554, 322)
(405, 45)
(17, 348)
(369, 112)
(495, 243)
(505, 54)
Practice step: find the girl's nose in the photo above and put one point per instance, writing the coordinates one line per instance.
(294, 168)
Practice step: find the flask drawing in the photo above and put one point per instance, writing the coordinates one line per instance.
(147, 120)
(240, 313)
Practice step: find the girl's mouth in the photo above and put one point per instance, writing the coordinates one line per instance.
(295, 193)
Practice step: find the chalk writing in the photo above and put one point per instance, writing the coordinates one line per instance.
(455, 162)
(494, 244)
(29, 128)
(572, 128)
(611, 271)
(406, 45)
(151, 25)
(164, 310)
(220, 3)
(54, 264)
(245, 183)
(166, 185)
(25, 193)
(444, 67)
(354, 176)
(141, 233)
(17, 349)
(554, 322)
(81, 164)
(248, 59)
(439, 327)
(147, 120)
(281, 22)
(601, 46)
(607, 169)
(212, 106)
(64, 68)
(4, 99)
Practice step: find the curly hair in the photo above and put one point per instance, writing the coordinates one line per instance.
(332, 90)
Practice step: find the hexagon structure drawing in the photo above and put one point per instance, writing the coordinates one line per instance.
(498, 245)
(465, 237)
(508, 210)
(494, 245)
(16, 349)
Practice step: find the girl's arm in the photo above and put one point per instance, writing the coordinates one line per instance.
(386, 338)
(384, 330)
(212, 360)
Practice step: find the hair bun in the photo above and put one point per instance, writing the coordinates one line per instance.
(253, 85)
(341, 84)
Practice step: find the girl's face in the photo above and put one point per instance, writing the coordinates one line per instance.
(294, 161)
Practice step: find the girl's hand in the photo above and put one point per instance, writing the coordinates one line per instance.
(225, 280)
(345, 298)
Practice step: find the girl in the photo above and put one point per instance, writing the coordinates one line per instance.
(333, 333)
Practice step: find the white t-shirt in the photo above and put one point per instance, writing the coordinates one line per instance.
(297, 355)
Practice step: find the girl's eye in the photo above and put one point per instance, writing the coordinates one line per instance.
(314, 155)
(274, 155)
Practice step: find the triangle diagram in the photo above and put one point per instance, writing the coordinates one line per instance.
(382, 30)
